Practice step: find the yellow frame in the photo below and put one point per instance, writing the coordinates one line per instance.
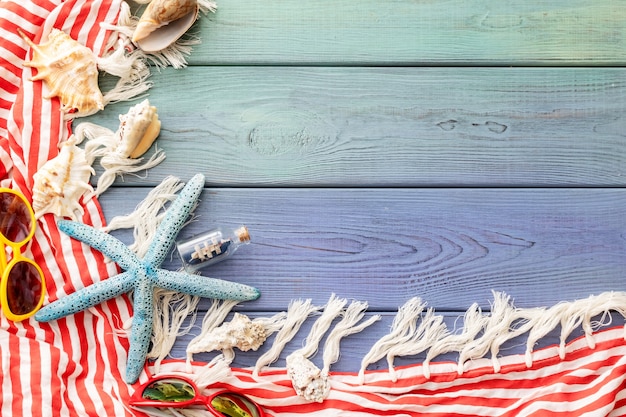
(17, 256)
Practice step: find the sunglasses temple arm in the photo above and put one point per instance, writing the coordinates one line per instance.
(86, 298)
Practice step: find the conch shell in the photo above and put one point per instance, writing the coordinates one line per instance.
(241, 333)
(181, 14)
(138, 130)
(69, 70)
(61, 182)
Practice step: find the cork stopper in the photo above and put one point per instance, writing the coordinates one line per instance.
(243, 234)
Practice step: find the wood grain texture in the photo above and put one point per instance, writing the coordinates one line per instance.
(451, 247)
(400, 32)
(382, 151)
(320, 126)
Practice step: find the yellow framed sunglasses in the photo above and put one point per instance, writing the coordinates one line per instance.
(23, 287)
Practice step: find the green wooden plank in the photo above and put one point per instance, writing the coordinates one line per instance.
(451, 247)
(562, 32)
(328, 126)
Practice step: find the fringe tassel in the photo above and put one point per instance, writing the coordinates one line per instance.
(115, 164)
(213, 318)
(215, 371)
(347, 326)
(403, 326)
(297, 313)
(148, 215)
(307, 379)
(174, 55)
(170, 308)
(207, 6)
(473, 323)
(431, 329)
(240, 332)
(133, 73)
(103, 144)
(170, 311)
(485, 333)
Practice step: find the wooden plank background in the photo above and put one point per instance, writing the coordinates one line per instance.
(381, 151)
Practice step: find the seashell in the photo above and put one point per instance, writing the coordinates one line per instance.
(138, 130)
(240, 332)
(69, 70)
(163, 22)
(307, 379)
(61, 182)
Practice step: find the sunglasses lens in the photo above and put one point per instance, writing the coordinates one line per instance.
(169, 391)
(230, 404)
(16, 222)
(24, 288)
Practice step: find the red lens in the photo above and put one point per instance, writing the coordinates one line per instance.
(24, 288)
(16, 222)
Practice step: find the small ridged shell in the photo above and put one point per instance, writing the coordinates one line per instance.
(160, 13)
(69, 70)
(138, 130)
(240, 332)
(61, 182)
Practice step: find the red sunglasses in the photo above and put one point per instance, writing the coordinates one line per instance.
(179, 392)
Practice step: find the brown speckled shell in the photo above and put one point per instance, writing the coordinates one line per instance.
(160, 13)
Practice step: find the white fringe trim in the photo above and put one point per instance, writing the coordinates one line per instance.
(103, 143)
(307, 379)
(213, 318)
(147, 215)
(170, 308)
(485, 333)
(347, 326)
(403, 326)
(297, 313)
(175, 55)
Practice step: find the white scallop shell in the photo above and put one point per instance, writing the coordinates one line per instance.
(61, 182)
(69, 70)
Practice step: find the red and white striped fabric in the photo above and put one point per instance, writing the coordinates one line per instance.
(74, 366)
(588, 382)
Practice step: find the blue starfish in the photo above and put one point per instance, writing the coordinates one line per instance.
(143, 275)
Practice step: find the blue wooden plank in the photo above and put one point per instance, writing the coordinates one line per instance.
(451, 247)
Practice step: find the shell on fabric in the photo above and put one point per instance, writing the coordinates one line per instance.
(61, 182)
(69, 70)
(240, 332)
(138, 130)
(178, 14)
(307, 379)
